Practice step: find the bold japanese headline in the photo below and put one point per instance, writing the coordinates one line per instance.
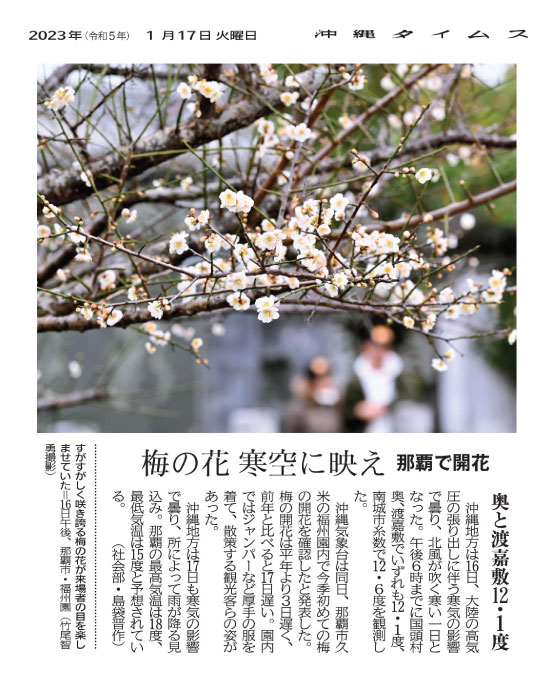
(288, 464)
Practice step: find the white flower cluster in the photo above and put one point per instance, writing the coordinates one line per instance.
(158, 307)
(107, 279)
(299, 133)
(61, 98)
(212, 90)
(268, 74)
(289, 98)
(178, 243)
(356, 80)
(267, 307)
(424, 175)
(157, 337)
(236, 202)
(496, 286)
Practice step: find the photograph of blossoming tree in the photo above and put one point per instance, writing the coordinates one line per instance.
(276, 247)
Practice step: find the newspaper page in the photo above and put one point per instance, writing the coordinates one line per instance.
(281, 427)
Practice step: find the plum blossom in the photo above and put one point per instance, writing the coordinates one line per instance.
(412, 115)
(131, 216)
(184, 90)
(236, 280)
(387, 83)
(439, 365)
(289, 98)
(293, 282)
(236, 202)
(239, 301)
(453, 312)
(388, 243)
(114, 317)
(358, 81)
(424, 175)
(178, 243)
(345, 121)
(437, 112)
(340, 280)
(86, 177)
(291, 82)
(61, 98)
(269, 240)
(85, 311)
(43, 232)
(299, 133)
(203, 217)
(107, 279)
(408, 322)
(338, 203)
(429, 323)
(267, 307)
(209, 89)
(77, 238)
(156, 309)
(268, 73)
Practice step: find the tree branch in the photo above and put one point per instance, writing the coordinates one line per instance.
(56, 402)
(63, 186)
(452, 209)
(363, 118)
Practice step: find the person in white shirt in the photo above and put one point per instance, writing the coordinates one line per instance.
(373, 388)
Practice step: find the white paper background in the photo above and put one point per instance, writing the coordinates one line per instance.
(524, 464)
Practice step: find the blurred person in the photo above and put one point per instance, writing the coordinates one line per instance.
(316, 405)
(372, 389)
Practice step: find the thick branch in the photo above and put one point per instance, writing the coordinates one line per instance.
(433, 142)
(70, 399)
(76, 322)
(453, 209)
(203, 306)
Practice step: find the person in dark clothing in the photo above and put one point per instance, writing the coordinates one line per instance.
(316, 407)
